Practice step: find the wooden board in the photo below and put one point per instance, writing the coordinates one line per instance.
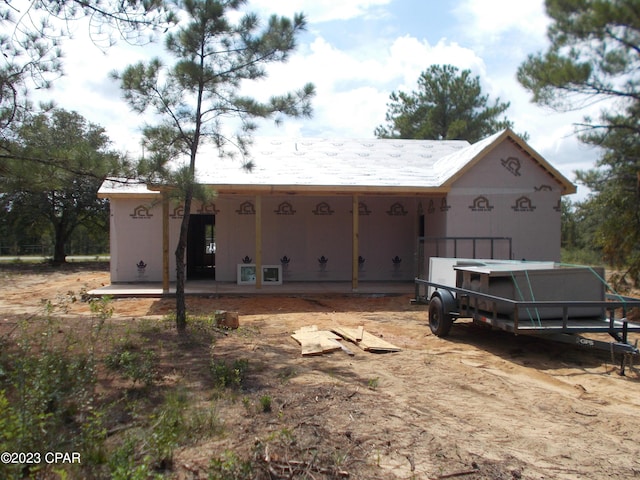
(369, 342)
(316, 342)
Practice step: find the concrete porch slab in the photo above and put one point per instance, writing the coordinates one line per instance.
(213, 288)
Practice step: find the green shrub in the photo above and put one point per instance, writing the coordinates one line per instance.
(229, 376)
(229, 466)
(265, 402)
(132, 364)
(47, 399)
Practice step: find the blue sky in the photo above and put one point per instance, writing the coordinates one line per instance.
(357, 52)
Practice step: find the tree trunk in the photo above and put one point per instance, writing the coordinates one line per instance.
(60, 240)
(181, 249)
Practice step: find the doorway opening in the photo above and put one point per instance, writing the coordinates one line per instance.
(201, 247)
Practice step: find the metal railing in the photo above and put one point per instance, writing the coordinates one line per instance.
(462, 247)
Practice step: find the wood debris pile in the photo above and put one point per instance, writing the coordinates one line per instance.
(318, 342)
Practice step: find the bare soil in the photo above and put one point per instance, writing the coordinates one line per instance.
(479, 404)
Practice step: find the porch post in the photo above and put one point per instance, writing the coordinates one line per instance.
(165, 242)
(258, 241)
(355, 244)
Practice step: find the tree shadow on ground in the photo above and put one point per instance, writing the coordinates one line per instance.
(263, 305)
(538, 352)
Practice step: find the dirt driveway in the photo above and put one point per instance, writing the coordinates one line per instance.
(478, 405)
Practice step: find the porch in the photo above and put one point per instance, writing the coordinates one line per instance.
(214, 288)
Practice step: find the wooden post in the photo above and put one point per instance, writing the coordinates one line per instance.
(258, 241)
(355, 244)
(165, 242)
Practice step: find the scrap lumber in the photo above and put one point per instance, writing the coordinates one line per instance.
(368, 342)
(316, 342)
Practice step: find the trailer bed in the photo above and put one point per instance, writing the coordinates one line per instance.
(526, 316)
(524, 320)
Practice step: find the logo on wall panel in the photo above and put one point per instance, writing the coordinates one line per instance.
(141, 211)
(443, 205)
(481, 204)
(513, 165)
(431, 208)
(323, 208)
(558, 207)
(523, 204)
(178, 212)
(285, 208)
(246, 208)
(543, 188)
(363, 209)
(397, 210)
(209, 208)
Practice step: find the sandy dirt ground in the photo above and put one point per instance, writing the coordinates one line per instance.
(477, 405)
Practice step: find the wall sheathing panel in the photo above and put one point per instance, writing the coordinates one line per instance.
(311, 236)
(507, 194)
(136, 240)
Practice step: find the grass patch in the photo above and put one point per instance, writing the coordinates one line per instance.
(227, 374)
(68, 389)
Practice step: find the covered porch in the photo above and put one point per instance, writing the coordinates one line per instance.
(214, 288)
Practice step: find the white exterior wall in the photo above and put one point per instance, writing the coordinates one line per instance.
(305, 228)
(507, 194)
(135, 236)
(302, 228)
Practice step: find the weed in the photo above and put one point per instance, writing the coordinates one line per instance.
(265, 403)
(123, 466)
(203, 423)
(47, 395)
(92, 437)
(339, 458)
(229, 466)
(287, 374)
(372, 383)
(134, 365)
(101, 307)
(229, 376)
(168, 429)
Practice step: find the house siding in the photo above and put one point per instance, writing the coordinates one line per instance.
(506, 194)
(306, 228)
(301, 228)
(496, 188)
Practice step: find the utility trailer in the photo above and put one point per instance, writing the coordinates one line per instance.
(542, 299)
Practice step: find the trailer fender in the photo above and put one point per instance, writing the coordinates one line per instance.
(441, 304)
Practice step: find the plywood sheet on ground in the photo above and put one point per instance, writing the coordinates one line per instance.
(365, 340)
(316, 342)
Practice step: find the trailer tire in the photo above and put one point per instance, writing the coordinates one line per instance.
(439, 321)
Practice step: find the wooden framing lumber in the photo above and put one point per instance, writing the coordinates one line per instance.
(368, 342)
(316, 342)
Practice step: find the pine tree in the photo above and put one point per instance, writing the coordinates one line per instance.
(449, 105)
(193, 96)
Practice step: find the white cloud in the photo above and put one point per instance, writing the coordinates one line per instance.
(353, 86)
(488, 21)
(353, 82)
(320, 10)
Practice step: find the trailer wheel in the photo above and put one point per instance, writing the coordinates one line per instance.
(439, 321)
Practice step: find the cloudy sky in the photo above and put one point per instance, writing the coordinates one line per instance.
(357, 52)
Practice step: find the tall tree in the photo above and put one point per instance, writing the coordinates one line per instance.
(594, 56)
(449, 105)
(60, 162)
(31, 42)
(203, 88)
